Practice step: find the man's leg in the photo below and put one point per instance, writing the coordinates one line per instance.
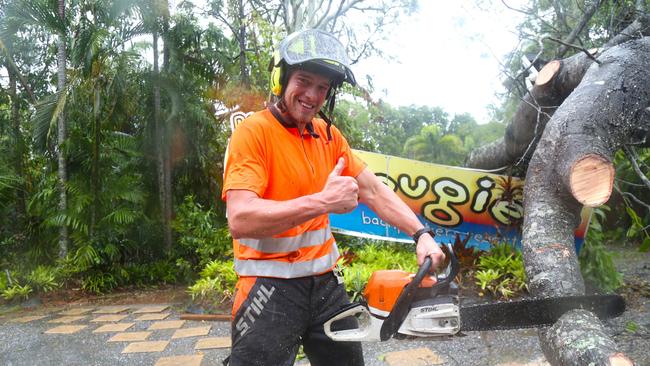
(328, 297)
(269, 317)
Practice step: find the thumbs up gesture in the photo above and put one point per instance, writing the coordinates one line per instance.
(341, 193)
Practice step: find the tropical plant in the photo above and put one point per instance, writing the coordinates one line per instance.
(216, 284)
(17, 292)
(501, 271)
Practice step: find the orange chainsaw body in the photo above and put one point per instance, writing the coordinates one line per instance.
(385, 286)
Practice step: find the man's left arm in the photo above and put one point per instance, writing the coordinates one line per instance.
(390, 208)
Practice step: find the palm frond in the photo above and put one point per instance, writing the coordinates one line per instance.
(121, 216)
(39, 13)
(45, 118)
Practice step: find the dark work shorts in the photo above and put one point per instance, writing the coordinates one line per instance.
(272, 317)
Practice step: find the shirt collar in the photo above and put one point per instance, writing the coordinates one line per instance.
(309, 128)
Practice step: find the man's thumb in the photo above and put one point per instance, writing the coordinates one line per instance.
(338, 168)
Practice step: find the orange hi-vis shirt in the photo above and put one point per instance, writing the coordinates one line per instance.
(279, 164)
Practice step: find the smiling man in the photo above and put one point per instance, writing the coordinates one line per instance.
(286, 171)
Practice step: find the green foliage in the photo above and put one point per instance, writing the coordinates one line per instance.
(501, 271)
(43, 279)
(217, 282)
(372, 257)
(200, 233)
(596, 262)
(98, 282)
(17, 292)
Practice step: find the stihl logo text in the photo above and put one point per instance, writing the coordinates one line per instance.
(254, 309)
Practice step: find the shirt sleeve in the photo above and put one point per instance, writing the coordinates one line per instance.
(245, 166)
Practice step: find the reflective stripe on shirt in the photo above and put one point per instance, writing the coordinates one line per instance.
(289, 244)
(282, 269)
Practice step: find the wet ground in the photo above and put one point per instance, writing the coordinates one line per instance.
(31, 341)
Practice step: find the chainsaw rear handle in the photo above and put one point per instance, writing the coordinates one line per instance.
(403, 304)
(367, 331)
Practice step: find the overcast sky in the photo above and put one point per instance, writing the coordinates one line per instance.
(449, 56)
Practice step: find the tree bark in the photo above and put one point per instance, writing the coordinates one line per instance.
(159, 132)
(242, 45)
(539, 104)
(597, 119)
(19, 151)
(61, 137)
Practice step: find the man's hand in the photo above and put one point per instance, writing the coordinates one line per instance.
(341, 194)
(427, 247)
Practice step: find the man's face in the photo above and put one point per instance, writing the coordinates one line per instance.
(305, 95)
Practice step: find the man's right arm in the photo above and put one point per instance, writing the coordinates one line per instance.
(250, 216)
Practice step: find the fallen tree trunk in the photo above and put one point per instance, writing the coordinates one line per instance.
(571, 167)
(554, 83)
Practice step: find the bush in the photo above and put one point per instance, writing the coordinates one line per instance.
(44, 278)
(17, 292)
(200, 233)
(501, 271)
(217, 282)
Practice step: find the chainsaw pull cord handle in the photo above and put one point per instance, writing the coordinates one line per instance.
(403, 304)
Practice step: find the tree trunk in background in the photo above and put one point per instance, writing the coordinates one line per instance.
(568, 169)
(19, 149)
(95, 162)
(160, 148)
(242, 45)
(61, 137)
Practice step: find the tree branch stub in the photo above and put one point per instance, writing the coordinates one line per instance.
(591, 180)
(548, 72)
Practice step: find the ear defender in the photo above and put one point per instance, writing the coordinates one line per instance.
(276, 74)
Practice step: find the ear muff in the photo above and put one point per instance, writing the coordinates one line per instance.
(277, 71)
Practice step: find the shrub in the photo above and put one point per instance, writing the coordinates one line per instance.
(17, 292)
(501, 271)
(43, 278)
(200, 233)
(217, 282)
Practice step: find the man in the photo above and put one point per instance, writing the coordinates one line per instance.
(286, 171)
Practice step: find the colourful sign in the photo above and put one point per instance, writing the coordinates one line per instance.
(452, 201)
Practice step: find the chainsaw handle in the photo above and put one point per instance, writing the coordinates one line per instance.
(450, 272)
(368, 329)
(403, 304)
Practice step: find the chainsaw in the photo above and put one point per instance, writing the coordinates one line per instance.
(399, 304)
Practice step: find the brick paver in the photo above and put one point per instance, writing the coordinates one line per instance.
(188, 360)
(191, 332)
(139, 347)
(111, 309)
(67, 319)
(151, 309)
(413, 357)
(109, 318)
(76, 311)
(117, 327)
(27, 319)
(154, 316)
(65, 329)
(167, 324)
(129, 337)
(213, 342)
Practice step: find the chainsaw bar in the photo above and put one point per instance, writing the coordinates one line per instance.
(536, 312)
